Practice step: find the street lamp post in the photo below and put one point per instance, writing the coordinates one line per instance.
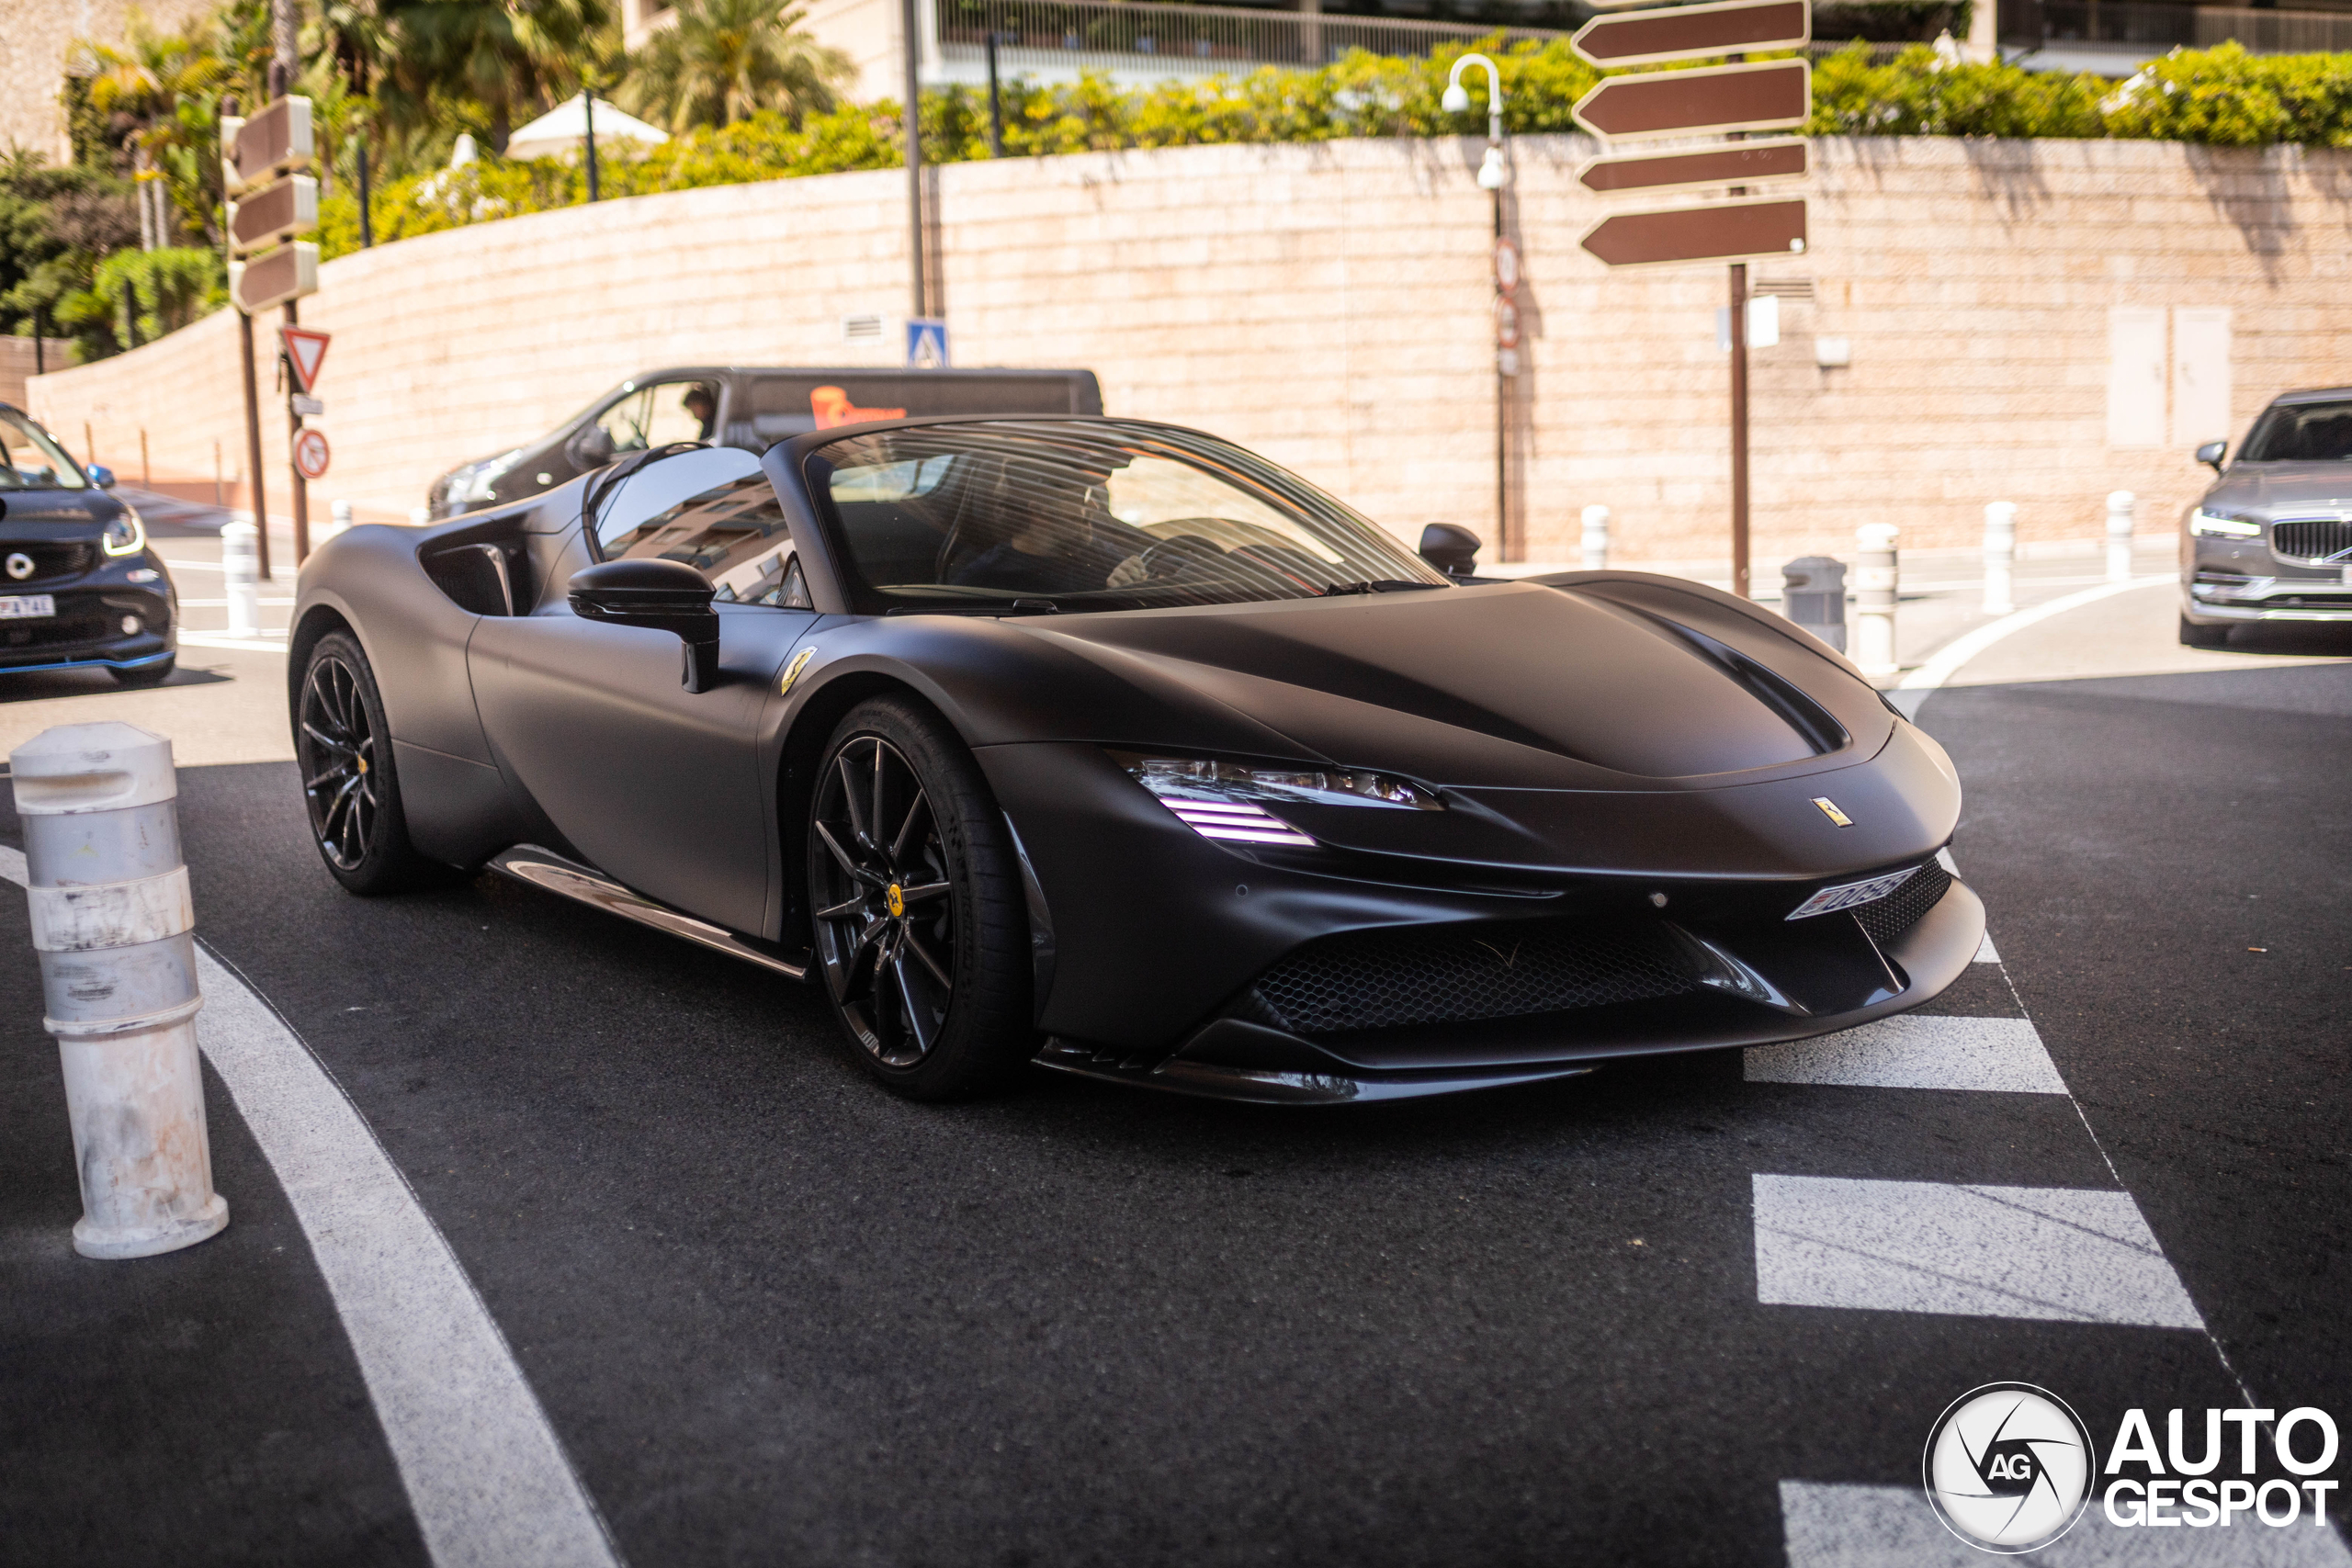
(1494, 174)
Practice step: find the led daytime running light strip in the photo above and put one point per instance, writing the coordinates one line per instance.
(1235, 821)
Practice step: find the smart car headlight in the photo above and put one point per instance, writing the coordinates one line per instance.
(2221, 526)
(126, 535)
(473, 481)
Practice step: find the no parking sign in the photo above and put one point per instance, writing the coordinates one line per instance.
(310, 453)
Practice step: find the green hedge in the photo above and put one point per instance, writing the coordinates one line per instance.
(2220, 97)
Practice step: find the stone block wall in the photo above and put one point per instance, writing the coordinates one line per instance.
(1329, 306)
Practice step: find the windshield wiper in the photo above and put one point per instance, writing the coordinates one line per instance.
(1377, 585)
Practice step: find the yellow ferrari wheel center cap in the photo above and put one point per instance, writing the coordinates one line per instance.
(896, 898)
(363, 764)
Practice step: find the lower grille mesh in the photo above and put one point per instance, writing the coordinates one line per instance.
(1900, 910)
(1381, 978)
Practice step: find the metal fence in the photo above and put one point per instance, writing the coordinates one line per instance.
(1106, 35)
(2131, 24)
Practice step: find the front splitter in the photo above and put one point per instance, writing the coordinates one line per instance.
(1213, 1080)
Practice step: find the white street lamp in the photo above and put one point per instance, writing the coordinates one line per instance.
(1494, 174)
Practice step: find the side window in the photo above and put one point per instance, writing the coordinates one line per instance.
(715, 510)
(652, 416)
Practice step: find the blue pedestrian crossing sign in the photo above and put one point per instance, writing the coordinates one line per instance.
(926, 343)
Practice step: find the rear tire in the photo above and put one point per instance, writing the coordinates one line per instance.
(915, 899)
(2194, 636)
(350, 785)
(146, 674)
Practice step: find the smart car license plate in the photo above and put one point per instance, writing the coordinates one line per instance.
(27, 606)
(1852, 895)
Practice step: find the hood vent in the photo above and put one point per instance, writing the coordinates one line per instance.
(1813, 723)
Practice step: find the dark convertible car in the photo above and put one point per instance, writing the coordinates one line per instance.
(1110, 746)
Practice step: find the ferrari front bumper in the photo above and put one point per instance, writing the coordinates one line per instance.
(1240, 1058)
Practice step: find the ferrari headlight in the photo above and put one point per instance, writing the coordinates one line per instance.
(1230, 800)
(126, 535)
(2220, 526)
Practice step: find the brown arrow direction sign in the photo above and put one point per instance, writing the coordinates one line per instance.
(1776, 95)
(261, 219)
(287, 272)
(275, 139)
(1693, 32)
(1738, 163)
(1743, 231)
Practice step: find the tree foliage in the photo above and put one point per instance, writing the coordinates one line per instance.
(723, 61)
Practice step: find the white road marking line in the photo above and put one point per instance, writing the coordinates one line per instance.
(1913, 688)
(2000, 1054)
(1825, 1526)
(2057, 1254)
(259, 644)
(1943, 856)
(223, 603)
(1985, 952)
(486, 1476)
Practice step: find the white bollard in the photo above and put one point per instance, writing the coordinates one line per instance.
(2119, 535)
(1596, 538)
(241, 566)
(114, 928)
(2000, 557)
(1877, 578)
(342, 511)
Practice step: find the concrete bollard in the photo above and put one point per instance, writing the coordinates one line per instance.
(2000, 557)
(241, 567)
(1877, 579)
(114, 928)
(2119, 535)
(342, 511)
(1812, 594)
(1596, 538)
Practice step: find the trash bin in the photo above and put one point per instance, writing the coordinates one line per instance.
(1812, 594)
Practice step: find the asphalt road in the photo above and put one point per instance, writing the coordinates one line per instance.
(776, 1316)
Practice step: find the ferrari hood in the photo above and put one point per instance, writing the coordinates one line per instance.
(1614, 683)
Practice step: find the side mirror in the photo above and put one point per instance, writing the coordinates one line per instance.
(660, 595)
(2211, 453)
(591, 448)
(101, 475)
(1451, 548)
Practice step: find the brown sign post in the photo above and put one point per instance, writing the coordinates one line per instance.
(1724, 100)
(260, 162)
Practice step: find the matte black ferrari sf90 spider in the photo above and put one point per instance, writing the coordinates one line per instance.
(1111, 746)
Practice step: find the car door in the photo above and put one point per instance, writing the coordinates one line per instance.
(591, 722)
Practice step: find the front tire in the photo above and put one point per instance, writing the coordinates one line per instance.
(344, 750)
(922, 930)
(2194, 636)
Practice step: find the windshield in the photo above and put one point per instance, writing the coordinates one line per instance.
(31, 460)
(2302, 432)
(1100, 515)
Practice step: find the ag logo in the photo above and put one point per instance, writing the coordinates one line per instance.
(20, 566)
(2008, 1466)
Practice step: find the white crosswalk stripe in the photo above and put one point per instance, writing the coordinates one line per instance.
(2001, 1054)
(2064, 1254)
(1891, 1526)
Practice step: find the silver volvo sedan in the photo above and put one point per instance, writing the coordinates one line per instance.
(2272, 539)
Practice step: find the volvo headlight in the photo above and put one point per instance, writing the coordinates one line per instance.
(126, 535)
(2221, 526)
(472, 483)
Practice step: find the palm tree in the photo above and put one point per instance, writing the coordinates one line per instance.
(487, 63)
(722, 61)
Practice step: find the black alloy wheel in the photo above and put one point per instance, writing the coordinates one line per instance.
(342, 744)
(916, 905)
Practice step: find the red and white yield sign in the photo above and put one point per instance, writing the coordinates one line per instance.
(310, 453)
(305, 350)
